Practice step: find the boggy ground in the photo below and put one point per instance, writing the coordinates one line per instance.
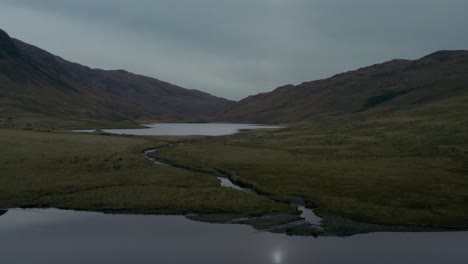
(394, 169)
(109, 173)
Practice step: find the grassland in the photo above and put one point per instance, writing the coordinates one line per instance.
(108, 173)
(393, 168)
(388, 167)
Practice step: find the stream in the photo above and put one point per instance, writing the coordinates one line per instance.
(225, 181)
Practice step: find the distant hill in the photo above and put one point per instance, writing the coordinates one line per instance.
(33, 81)
(393, 85)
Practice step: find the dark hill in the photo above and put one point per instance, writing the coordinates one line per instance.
(33, 81)
(397, 84)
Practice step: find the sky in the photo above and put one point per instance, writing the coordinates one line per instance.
(236, 48)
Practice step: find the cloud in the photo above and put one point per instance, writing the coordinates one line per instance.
(236, 48)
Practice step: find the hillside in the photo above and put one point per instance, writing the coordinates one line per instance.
(393, 85)
(35, 82)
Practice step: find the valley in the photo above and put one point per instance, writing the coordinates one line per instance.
(382, 148)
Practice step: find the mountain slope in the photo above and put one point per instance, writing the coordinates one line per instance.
(33, 81)
(397, 84)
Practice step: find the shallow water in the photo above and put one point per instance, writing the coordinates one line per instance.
(49, 236)
(186, 129)
(309, 215)
(225, 182)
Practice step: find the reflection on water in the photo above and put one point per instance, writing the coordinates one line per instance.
(225, 182)
(185, 129)
(309, 215)
(54, 236)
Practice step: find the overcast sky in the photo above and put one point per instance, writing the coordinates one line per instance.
(235, 48)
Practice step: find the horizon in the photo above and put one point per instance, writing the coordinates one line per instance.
(236, 58)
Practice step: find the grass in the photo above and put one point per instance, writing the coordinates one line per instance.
(395, 168)
(108, 173)
(378, 166)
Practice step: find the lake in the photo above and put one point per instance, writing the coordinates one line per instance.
(49, 236)
(186, 129)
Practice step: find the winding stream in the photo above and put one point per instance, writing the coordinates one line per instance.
(225, 181)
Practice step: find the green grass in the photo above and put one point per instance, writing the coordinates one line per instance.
(378, 166)
(99, 172)
(398, 168)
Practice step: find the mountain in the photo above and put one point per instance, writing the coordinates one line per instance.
(35, 82)
(393, 85)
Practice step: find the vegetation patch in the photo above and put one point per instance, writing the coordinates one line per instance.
(380, 99)
(109, 173)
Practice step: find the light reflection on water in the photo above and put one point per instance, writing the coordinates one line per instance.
(277, 256)
(54, 236)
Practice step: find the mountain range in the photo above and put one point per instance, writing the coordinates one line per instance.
(35, 82)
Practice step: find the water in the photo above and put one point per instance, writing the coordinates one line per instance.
(51, 236)
(149, 154)
(309, 215)
(225, 182)
(186, 129)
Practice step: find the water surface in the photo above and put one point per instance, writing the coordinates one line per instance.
(50, 236)
(186, 129)
(225, 182)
